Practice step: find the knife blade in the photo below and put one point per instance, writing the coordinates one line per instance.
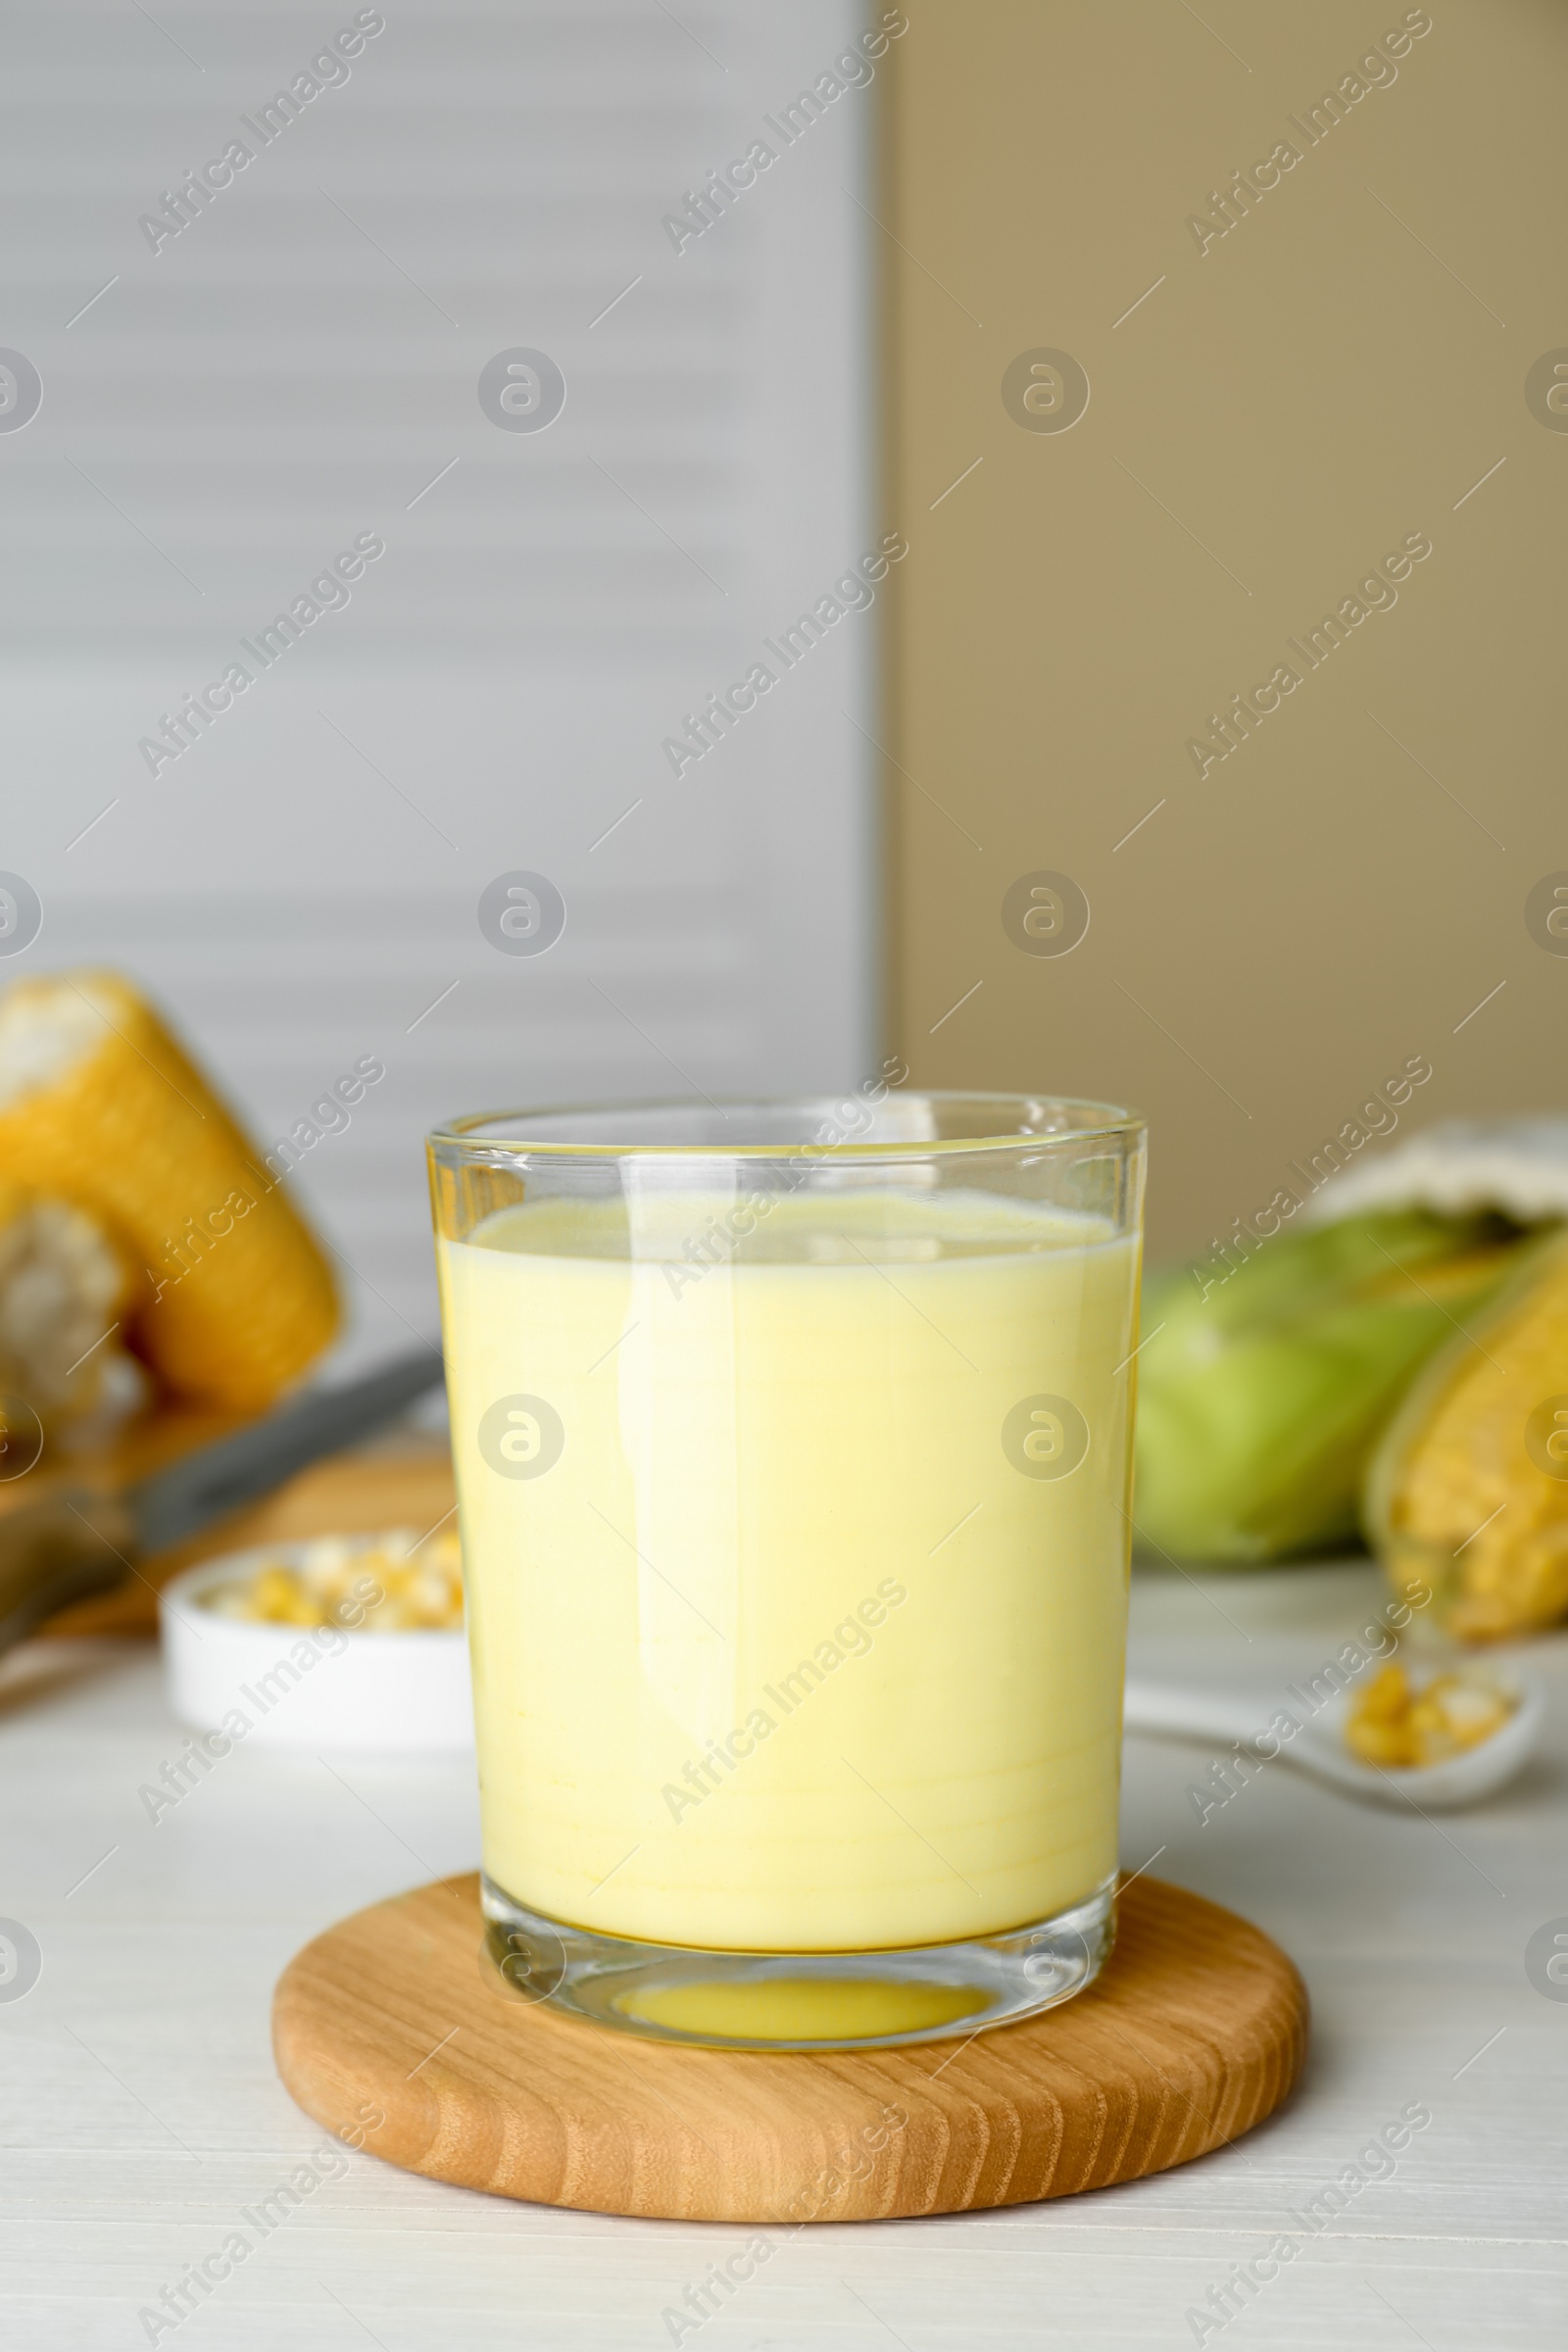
(76, 1542)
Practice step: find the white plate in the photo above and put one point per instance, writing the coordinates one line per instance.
(285, 1686)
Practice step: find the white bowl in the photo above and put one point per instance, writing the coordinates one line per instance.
(309, 1686)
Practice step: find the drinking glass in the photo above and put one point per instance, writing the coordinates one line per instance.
(793, 1453)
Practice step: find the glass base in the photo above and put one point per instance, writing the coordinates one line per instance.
(799, 2001)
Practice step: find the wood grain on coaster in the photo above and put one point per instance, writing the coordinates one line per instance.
(1195, 2032)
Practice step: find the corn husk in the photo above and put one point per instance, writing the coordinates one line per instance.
(1261, 1402)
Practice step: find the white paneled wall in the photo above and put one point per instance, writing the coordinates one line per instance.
(298, 367)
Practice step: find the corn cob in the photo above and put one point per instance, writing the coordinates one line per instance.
(100, 1108)
(1468, 1493)
(63, 1287)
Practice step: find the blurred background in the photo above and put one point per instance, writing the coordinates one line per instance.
(777, 289)
(1280, 392)
(231, 404)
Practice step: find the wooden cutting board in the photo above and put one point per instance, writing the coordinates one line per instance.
(395, 2032)
(401, 1480)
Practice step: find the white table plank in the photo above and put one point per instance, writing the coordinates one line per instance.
(143, 2115)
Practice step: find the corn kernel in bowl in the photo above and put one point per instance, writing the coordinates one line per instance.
(1395, 1725)
(393, 1583)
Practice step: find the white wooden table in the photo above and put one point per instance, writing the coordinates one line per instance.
(141, 2112)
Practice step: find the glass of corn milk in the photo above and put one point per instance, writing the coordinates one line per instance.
(793, 1452)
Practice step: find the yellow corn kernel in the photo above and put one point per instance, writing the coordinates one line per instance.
(1387, 1697)
(1384, 1743)
(275, 1595)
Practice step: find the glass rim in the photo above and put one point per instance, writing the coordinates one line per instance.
(1112, 1122)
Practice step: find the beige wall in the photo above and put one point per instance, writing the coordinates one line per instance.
(1293, 926)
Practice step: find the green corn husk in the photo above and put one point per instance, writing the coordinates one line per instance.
(1261, 1400)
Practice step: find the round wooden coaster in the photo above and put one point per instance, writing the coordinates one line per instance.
(395, 2032)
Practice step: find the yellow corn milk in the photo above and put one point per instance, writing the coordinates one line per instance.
(795, 1578)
